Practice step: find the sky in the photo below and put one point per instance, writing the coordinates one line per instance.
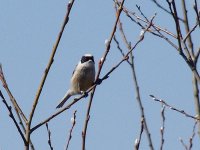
(28, 32)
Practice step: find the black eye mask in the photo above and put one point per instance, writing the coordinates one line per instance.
(87, 58)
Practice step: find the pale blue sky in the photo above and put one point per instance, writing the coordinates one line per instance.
(29, 30)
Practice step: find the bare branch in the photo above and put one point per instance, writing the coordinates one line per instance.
(197, 12)
(192, 136)
(49, 137)
(70, 133)
(137, 141)
(173, 108)
(162, 129)
(187, 28)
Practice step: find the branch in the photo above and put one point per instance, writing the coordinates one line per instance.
(12, 117)
(192, 136)
(187, 28)
(73, 120)
(28, 131)
(173, 108)
(162, 129)
(49, 136)
(137, 141)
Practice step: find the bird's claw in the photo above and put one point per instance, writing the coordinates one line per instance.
(98, 81)
(84, 93)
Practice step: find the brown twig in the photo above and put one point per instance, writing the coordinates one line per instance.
(28, 129)
(12, 117)
(70, 132)
(49, 136)
(173, 108)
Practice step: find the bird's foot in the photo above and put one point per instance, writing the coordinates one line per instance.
(98, 81)
(84, 93)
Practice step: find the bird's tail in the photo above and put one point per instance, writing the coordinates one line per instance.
(64, 99)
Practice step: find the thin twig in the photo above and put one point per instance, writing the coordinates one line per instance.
(183, 143)
(173, 108)
(162, 129)
(129, 13)
(197, 12)
(137, 141)
(28, 129)
(160, 6)
(73, 120)
(12, 117)
(49, 137)
(192, 136)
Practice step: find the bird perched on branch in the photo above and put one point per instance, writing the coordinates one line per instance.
(82, 78)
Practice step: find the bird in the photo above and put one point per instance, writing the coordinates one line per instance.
(82, 78)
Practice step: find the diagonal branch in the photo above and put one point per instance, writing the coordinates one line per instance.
(173, 108)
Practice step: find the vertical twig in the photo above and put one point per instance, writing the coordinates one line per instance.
(73, 120)
(28, 131)
(137, 141)
(162, 129)
(49, 136)
(193, 134)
